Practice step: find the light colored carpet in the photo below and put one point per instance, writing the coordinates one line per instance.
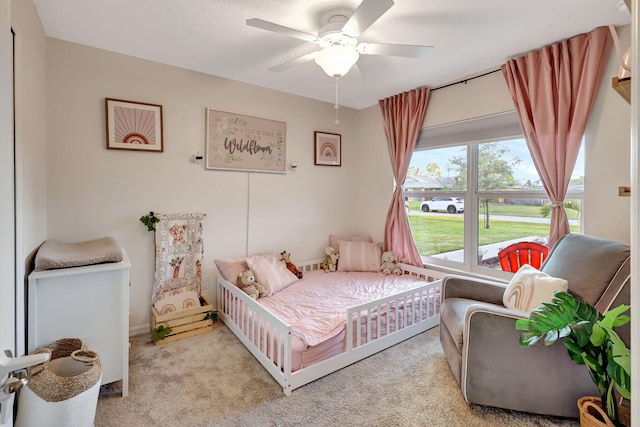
(212, 380)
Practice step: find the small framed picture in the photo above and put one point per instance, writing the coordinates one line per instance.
(328, 149)
(133, 125)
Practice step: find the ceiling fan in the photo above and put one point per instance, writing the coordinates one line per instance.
(338, 39)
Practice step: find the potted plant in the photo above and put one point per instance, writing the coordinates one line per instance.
(590, 339)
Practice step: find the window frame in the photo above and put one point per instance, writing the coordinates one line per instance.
(472, 197)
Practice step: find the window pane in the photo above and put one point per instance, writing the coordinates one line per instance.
(502, 222)
(506, 165)
(437, 232)
(436, 216)
(439, 169)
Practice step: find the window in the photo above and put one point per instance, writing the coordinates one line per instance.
(471, 198)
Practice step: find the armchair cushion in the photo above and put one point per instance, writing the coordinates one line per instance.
(495, 371)
(455, 286)
(456, 314)
(530, 287)
(452, 315)
(591, 265)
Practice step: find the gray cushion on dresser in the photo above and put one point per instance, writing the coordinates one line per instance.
(55, 254)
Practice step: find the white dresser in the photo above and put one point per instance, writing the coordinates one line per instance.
(90, 303)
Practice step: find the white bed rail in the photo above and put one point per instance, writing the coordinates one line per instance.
(422, 272)
(266, 336)
(397, 314)
(269, 338)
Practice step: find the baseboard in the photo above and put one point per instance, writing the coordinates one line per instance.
(139, 330)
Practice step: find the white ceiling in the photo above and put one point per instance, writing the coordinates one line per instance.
(210, 36)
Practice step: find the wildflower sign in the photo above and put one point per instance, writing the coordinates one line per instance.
(246, 143)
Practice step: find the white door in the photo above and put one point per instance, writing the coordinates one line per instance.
(7, 219)
(7, 215)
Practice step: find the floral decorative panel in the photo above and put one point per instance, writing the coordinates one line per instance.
(179, 250)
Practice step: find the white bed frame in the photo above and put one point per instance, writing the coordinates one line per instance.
(251, 323)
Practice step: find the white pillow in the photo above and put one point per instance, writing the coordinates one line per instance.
(358, 256)
(530, 287)
(270, 272)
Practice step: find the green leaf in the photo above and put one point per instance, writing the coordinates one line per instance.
(620, 353)
(621, 320)
(577, 359)
(593, 364)
(522, 325)
(621, 378)
(598, 335)
(611, 316)
(527, 339)
(213, 315)
(582, 332)
(551, 337)
(159, 333)
(150, 220)
(575, 354)
(564, 332)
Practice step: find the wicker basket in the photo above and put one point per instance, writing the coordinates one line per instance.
(64, 391)
(71, 370)
(592, 414)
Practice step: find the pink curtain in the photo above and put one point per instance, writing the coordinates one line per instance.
(553, 90)
(403, 117)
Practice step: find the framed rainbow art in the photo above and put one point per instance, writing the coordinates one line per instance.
(133, 125)
(328, 149)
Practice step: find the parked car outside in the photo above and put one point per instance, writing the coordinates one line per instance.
(448, 204)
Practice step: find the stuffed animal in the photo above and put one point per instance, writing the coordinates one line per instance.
(246, 281)
(285, 256)
(330, 263)
(390, 264)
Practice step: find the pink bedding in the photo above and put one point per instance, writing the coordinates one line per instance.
(315, 306)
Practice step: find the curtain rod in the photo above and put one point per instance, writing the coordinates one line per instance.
(466, 80)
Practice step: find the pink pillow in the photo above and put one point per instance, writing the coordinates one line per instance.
(230, 268)
(334, 239)
(358, 256)
(270, 272)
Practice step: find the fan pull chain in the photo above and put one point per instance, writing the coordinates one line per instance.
(336, 106)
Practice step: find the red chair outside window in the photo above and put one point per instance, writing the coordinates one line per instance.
(514, 256)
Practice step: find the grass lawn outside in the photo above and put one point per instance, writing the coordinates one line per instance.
(435, 235)
(511, 210)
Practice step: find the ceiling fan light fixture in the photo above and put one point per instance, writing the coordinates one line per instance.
(337, 60)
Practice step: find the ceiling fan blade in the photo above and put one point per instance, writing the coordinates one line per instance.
(280, 29)
(297, 61)
(404, 50)
(366, 14)
(356, 71)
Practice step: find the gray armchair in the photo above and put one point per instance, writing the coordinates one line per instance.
(481, 344)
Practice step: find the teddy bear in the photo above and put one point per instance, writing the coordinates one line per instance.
(246, 281)
(390, 264)
(330, 263)
(286, 257)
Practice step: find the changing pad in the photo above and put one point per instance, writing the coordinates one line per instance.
(56, 254)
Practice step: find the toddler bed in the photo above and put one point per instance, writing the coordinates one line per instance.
(300, 333)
